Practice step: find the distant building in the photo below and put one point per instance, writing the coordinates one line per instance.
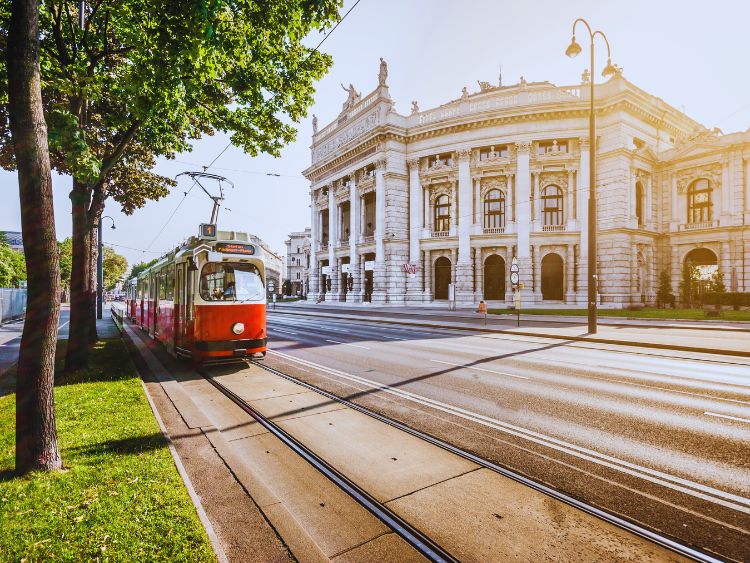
(14, 239)
(298, 262)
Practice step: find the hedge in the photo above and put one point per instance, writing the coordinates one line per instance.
(734, 299)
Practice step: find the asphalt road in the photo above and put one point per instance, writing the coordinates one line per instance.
(10, 339)
(659, 437)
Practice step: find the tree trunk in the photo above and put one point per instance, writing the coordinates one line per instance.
(93, 280)
(77, 355)
(36, 435)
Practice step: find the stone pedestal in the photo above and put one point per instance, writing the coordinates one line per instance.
(464, 283)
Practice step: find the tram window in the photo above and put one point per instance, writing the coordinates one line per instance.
(230, 282)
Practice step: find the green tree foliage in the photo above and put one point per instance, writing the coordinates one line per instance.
(65, 249)
(139, 267)
(114, 267)
(140, 80)
(664, 295)
(12, 265)
(689, 284)
(716, 284)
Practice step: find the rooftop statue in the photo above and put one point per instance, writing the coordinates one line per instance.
(315, 124)
(353, 97)
(383, 74)
(414, 107)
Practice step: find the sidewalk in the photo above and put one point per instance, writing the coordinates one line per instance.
(710, 340)
(470, 313)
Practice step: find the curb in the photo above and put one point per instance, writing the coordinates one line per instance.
(595, 340)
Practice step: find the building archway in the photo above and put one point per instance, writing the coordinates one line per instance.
(552, 277)
(494, 278)
(706, 264)
(442, 277)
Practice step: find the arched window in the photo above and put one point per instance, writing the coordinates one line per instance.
(699, 201)
(639, 202)
(442, 213)
(494, 210)
(552, 205)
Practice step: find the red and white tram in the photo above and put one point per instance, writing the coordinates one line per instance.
(206, 299)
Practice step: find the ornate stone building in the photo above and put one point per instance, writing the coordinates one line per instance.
(404, 205)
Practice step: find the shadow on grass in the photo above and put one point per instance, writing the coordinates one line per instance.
(126, 446)
(7, 475)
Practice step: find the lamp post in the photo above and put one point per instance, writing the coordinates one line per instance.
(100, 268)
(573, 50)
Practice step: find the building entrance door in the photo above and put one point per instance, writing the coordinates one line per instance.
(494, 278)
(442, 277)
(552, 278)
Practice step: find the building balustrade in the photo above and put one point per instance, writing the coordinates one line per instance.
(367, 238)
(698, 226)
(440, 234)
(493, 230)
(553, 228)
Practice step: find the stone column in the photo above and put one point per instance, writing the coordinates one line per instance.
(414, 284)
(313, 284)
(631, 199)
(537, 274)
(583, 222)
(537, 203)
(333, 237)
(454, 266)
(726, 194)
(511, 183)
(425, 208)
(478, 212)
(635, 296)
(523, 219)
(479, 268)
(570, 295)
(675, 203)
(725, 261)
(464, 272)
(353, 296)
(570, 211)
(649, 202)
(427, 275)
(379, 274)
(454, 209)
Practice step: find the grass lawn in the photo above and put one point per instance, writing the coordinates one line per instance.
(647, 313)
(119, 498)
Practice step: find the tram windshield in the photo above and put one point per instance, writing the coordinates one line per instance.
(224, 281)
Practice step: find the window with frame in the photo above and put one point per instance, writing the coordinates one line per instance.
(442, 213)
(552, 205)
(324, 229)
(699, 201)
(494, 210)
(639, 202)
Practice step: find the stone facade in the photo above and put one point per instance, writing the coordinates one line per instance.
(403, 205)
(298, 262)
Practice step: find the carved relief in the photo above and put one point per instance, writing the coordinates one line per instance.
(464, 153)
(413, 163)
(437, 190)
(362, 126)
(711, 172)
(523, 146)
(559, 179)
(493, 183)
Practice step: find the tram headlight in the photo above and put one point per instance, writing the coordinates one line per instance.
(238, 328)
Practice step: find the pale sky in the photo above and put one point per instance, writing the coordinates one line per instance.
(691, 54)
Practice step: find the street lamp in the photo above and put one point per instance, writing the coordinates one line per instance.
(100, 268)
(573, 50)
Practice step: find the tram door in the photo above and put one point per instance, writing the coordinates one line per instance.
(179, 306)
(156, 289)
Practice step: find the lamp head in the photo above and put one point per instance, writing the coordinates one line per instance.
(574, 49)
(609, 70)
(113, 227)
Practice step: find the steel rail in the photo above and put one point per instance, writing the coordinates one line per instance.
(669, 543)
(414, 537)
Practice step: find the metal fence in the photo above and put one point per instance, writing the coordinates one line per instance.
(12, 304)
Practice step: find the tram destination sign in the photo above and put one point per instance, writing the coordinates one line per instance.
(235, 248)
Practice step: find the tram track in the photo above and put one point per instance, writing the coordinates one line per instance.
(659, 539)
(413, 536)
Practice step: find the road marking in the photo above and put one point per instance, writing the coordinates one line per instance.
(347, 344)
(284, 331)
(391, 337)
(727, 416)
(698, 490)
(481, 369)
